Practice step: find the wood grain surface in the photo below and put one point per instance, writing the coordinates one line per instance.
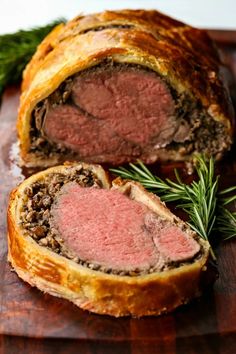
(33, 322)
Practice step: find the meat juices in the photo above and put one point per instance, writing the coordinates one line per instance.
(106, 228)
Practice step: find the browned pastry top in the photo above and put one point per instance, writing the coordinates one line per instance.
(184, 56)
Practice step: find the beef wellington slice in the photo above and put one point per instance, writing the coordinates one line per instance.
(109, 248)
(120, 85)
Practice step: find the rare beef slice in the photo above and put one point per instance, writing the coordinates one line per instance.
(107, 229)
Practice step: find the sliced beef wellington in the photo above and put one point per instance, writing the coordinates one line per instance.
(116, 86)
(111, 249)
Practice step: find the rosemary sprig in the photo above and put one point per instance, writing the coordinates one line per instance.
(201, 200)
(226, 223)
(226, 219)
(16, 50)
(168, 190)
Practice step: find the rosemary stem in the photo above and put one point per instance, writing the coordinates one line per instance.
(212, 254)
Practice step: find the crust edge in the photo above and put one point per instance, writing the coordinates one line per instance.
(96, 291)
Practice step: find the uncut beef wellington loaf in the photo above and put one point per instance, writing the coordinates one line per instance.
(116, 86)
(113, 250)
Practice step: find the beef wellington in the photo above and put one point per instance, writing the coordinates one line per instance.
(120, 85)
(110, 248)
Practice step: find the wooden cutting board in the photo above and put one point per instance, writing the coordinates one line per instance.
(33, 322)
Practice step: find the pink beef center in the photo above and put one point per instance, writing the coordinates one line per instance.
(107, 228)
(118, 108)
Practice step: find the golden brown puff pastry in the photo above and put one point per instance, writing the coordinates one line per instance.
(120, 85)
(137, 259)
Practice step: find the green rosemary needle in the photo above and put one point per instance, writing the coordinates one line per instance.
(226, 219)
(226, 223)
(201, 200)
(16, 50)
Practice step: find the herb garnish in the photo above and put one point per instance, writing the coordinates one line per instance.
(226, 219)
(201, 200)
(16, 50)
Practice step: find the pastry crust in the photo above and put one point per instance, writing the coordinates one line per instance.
(116, 295)
(184, 56)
